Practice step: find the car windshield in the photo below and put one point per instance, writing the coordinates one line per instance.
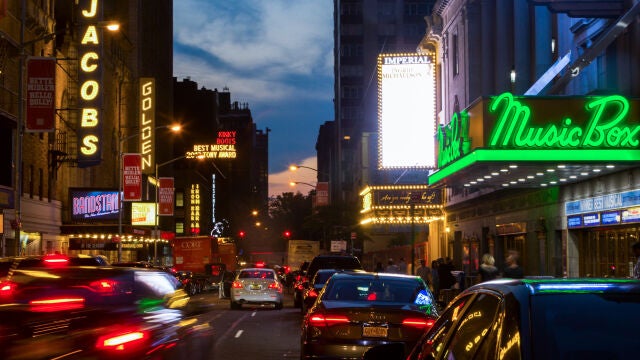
(392, 290)
(585, 326)
(257, 274)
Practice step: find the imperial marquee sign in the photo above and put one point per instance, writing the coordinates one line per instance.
(507, 128)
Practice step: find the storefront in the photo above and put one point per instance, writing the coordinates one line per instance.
(508, 165)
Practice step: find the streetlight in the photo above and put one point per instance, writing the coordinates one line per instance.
(155, 228)
(173, 128)
(294, 183)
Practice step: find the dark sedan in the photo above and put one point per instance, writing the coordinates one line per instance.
(358, 311)
(538, 319)
(310, 295)
(59, 311)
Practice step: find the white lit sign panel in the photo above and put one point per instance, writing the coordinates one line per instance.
(406, 111)
(143, 214)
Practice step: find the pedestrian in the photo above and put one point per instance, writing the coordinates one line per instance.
(636, 252)
(424, 272)
(391, 267)
(488, 270)
(435, 282)
(512, 270)
(445, 277)
(402, 266)
(379, 267)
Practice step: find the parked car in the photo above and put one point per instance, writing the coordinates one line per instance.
(358, 311)
(313, 288)
(52, 310)
(537, 319)
(257, 286)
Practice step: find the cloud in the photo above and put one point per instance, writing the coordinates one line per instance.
(280, 182)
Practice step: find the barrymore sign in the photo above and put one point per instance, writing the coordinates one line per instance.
(555, 127)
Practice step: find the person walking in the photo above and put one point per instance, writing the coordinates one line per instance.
(512, 270)
(435, 280)
(402, 266)
(391, 267)
(424, 272)
(635, 248)
(488, 270)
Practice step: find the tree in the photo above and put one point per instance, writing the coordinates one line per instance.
(288, 212)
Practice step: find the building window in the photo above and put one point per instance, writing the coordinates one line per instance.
(456, 61)
(416, 8)
(352, 71)
(351, 29)
(40, 183)
(351, 92)
(179, 199)
(179, 227)
(351, 50)
(350, 9)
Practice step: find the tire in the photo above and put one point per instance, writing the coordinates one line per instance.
(235, 305)
(279, 305)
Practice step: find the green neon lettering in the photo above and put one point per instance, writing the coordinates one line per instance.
(604, 129)
(453, 139)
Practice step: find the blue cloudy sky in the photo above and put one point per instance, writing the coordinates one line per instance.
(276, 55)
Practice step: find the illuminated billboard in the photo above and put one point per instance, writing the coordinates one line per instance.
(406, 111)
(224, 147)
(143, 214)
(93, 204)
(90, 62)
(147, 124)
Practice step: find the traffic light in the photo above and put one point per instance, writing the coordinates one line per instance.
(241, 234)
(287, 234)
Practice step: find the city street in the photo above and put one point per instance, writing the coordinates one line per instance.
(253, 332)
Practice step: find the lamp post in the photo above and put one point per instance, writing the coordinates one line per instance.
(155, 227)
(121, 141)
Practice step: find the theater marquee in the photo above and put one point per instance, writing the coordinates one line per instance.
(401, 204)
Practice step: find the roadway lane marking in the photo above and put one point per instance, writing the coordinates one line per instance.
(254, 313)
(238, 333)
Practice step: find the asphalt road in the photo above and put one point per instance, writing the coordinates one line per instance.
(254, 332)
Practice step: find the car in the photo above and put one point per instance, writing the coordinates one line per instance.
(340, 262)
(313, 288)
(53, 310)
(256, 286)
(537, 319)
(358, 311)
(49, 260)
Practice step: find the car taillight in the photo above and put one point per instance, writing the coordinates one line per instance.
(56, 304)
(236, 285)
(274, 285)
(7, 288)
(418, 322)
(312, 293)
(104, 287)
(55, 259)
(122, 340)
(372, 297)
(327, 320)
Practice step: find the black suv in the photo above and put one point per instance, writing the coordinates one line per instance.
(338, 262)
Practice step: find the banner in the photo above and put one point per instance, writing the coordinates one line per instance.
(41, 94)
(132, 177)
(322, 193)
(165, 196)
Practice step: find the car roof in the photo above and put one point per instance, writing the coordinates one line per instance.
(257, 269)
(537, 286)
(364, 274)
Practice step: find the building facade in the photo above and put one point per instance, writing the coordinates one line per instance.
(565, 215)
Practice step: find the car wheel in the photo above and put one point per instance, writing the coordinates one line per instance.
(279, 305)
(235, 305)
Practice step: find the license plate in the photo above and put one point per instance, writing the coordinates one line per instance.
(374, 331)
(255, 287)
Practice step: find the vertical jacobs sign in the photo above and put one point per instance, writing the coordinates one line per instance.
(90, 80)
(147, 124)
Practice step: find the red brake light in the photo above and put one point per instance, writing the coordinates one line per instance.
(327, 320)
(275, 285)
(104, 287)
(55, 259)
(418, 322)
(7, 288)
(56, 304)
(312, 293)
(122, 340)
(372, 297)
(237, 285)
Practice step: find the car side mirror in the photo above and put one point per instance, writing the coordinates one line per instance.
(388, 351)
